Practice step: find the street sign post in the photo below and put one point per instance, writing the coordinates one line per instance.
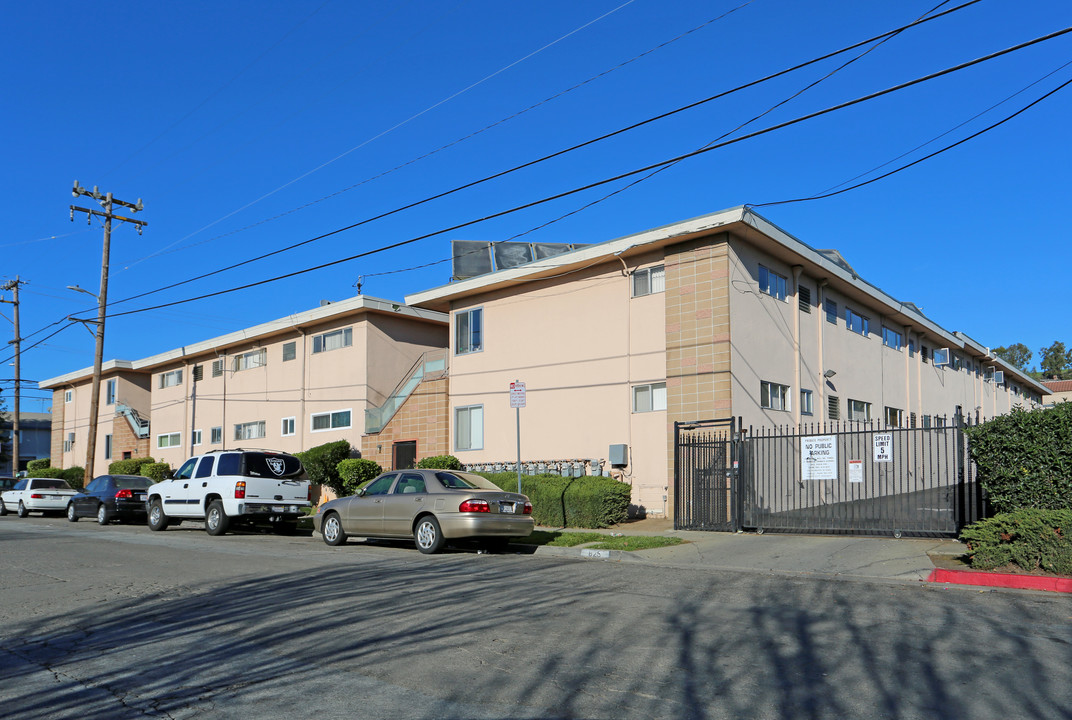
(517, 401)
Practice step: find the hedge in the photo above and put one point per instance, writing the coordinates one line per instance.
(440, 462)
(130, 466)
(75, 476)
(321, 463)
(34, 465)
(1032, 539)
(580, 502)
(355, 472)
(1024, 459)
(46, 472)
(155, 471)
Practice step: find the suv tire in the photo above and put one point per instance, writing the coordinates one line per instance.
(216, 520)
(157, 519)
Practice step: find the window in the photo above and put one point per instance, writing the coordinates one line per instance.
(806, 400)
(469, 427)
(290, 351)
(939, 421)
(647, 398)
(249, 431)
(941, 356)
(894, 417)
(204, 467)
(831, 311)
(217, 368)
(911, 348)
(68, 444)
(109, 392)
(804, 299)
(649, 281)
(773, 396)
(288, 427)
(468, 331)
(68, 395)
(924, 354)
(333, 340)
(199, 373)
(197, 437)
(330, 420)
(168, 440)
(926, 421)
(107, 447)
(216, 435)
(171, 379)
(855, 322)
(859, 411)
(891, 338)
(772, 283)
(833, 408)
(252, 359)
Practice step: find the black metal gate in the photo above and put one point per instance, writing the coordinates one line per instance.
(705, 487)
(854, 478)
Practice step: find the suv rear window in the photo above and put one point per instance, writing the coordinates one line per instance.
(258, 464)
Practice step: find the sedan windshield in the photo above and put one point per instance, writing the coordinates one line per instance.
(465, 481)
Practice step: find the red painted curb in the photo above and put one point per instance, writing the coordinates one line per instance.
(1005, 580)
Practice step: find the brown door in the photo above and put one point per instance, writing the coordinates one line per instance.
(404, 455)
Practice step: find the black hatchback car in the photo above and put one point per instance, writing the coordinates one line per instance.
(111, 497)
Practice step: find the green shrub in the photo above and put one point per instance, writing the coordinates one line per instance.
(1024, 459)
(440, 462)
(75, 476)
(321, 463)
(130, 466)
(155, 471)
(1030, 538)
(355, 472)
(581, 502)
(47, 472)
(34, 465)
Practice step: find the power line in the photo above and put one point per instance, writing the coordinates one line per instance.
(551, 156)
(616, 178)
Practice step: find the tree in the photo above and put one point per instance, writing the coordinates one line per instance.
(1055, 361)
(1017, 354)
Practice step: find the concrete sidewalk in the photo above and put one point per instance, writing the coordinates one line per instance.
(903, 560)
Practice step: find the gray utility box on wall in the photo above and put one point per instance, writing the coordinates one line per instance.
(618, 455)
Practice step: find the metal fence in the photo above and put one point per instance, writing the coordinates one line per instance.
(850, 478)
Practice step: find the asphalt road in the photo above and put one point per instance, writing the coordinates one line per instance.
(121, 622)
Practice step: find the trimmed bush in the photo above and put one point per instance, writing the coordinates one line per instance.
(1029, 538)
(440, 462)
(322, 462)
(130, 466)
(581, 502)
(48, 472)
(155, 471)
(355, 472)
(40, 464)
(1024, 459)
(75, 476)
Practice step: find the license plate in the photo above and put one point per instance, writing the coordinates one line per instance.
(278, 508)
(139, 497)
(507, 507)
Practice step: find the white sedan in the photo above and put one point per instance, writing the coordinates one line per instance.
(36, 495)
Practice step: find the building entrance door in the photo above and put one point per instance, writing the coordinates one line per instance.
(404, 455)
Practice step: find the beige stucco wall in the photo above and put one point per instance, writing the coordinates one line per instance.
(73, 417)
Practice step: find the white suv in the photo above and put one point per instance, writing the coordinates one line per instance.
(226, 486)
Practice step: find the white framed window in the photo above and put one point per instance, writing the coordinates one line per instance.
(859, 411)
(68, 395)
(771, 283)
(649, 398)
(197, 437)
(336, 420)
(168, 440)
(773, 396)
(290, 351)
(941, 357)
(855, 322)
(109, 392)
(249, 431)
(287, 427)
(68, 444)
(333, 340)
(649, 281)
(171, 378)
(893, 417)
(469, 331)
(252, 359)
(807, 400)
(891, 338)
(216, 435)
(469, 427)
(107, 447)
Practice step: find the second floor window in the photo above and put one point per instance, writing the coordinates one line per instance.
(333, 340)
(109, 392)
(249, 431)
(856, 322)
(469, 331)
(891, 338)
(773, 396)
(859, 411)
(252, 359)
(772, 283)
(648, 398)
(648, 281)
(171, 379)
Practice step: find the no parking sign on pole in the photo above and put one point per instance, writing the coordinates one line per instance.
(517, 401)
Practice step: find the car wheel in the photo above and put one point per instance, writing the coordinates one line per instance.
(72, 514)
(332, 530)
(157, 519)
(216, 520)
(428, 536)
(3, 508)
(22, 512)
(103, 516)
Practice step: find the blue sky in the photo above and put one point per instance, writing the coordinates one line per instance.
(246, 127)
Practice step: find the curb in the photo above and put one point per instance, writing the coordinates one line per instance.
(587, 554)
(1002, 580)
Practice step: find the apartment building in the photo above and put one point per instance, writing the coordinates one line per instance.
(724, 315)
(288, 385)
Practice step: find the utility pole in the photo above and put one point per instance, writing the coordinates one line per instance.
(107, 202)
(13, 286)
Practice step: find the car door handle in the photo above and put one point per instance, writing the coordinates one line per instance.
(185, 485)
